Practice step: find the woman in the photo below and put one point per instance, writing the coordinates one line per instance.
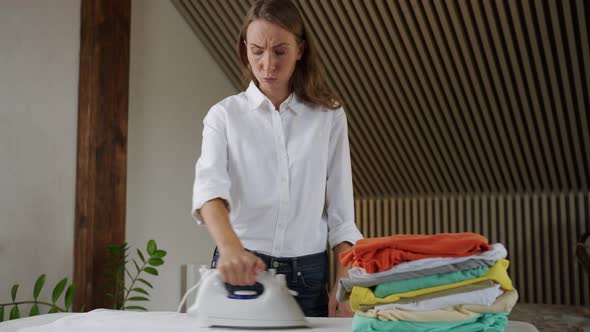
(273, 182)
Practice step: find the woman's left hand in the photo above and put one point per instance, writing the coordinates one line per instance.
(338, 309)
(335, 308)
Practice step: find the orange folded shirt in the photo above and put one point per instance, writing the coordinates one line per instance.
(383, 253)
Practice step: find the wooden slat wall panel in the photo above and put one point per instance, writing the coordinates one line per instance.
(539, 231)
(470, 114)
(445, 96)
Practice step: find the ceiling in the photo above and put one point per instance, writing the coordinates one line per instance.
(453, 96)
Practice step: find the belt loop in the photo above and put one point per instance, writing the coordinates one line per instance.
(295, 271)
(214, 258)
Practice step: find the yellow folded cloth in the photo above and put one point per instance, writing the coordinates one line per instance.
(365, 296)
(504, 303)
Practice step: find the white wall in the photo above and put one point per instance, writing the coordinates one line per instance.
(173, 82)
(39, 57)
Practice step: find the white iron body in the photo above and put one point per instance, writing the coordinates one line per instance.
(274, 307)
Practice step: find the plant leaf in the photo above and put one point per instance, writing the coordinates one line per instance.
(1, 313)
(70, 292)
(59, 288)
(134, 307)
(140, 254)
(53, 310)
(34, 310)
(110, 268)
(156, 261)
(151, 271)
(119, 282)
(13, 292)
(140, 290)
(138, 298)
(110, 295)
(109, 275)
(108, 286)
(38, 286)
(14, 313)
(136, 266)
(145, 282)
(151, 247)
(159, 254)
(114, 250)
(129, 274)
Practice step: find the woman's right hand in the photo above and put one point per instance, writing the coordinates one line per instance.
(239, 267)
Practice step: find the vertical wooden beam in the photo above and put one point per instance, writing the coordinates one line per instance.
(102, 143)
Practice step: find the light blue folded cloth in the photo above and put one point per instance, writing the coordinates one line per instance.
(412, 284)
(495, 322)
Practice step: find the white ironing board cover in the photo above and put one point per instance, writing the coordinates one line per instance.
(103, 320)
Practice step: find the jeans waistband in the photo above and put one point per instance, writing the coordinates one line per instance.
(291, 266)
(275, 262)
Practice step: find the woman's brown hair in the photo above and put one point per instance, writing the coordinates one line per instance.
(308, 78)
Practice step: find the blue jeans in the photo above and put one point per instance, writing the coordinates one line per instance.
(308, 275)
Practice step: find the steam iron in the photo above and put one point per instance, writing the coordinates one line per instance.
(275, 307)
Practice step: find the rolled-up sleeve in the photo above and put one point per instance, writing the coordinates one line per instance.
(339, 194)
(211, 176)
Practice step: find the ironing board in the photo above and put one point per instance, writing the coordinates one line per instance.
(126, 321)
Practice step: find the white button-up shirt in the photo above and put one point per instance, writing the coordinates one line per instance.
(285, 175)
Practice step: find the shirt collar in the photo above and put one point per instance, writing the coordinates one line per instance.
(256, 98)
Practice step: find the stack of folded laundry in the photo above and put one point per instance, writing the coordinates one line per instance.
(441, 282)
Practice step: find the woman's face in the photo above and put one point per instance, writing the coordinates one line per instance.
(272, 54)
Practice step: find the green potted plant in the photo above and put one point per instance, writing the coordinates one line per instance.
(116, 270)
